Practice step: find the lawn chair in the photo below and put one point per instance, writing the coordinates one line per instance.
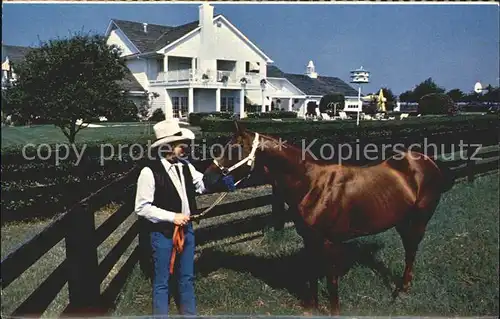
(343, 116)
(403, 116)
(325, 116)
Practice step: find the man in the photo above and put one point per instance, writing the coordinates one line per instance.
(165, 198)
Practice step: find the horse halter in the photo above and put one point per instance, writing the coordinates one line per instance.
(249, 160)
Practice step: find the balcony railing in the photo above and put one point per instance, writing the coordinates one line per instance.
(174, 76)
(187, 75)
(231, 76)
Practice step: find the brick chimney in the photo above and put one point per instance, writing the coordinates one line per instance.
(207, 36)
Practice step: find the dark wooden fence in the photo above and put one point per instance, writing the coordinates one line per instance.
(84, 274)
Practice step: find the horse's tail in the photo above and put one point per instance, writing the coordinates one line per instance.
(448, 176)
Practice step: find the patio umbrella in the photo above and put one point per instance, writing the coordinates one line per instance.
(6, 65)
(381, 101)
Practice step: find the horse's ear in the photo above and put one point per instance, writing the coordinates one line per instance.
(238, 127)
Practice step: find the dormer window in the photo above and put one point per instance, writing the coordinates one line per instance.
(252, 67)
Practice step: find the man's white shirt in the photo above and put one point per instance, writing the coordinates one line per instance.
(146, 189)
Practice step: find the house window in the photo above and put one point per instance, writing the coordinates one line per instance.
(180, 104)
(227, 104)
(175, 106)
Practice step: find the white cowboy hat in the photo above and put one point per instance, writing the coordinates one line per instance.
(169, 131)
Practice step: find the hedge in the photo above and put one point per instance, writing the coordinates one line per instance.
(194, 119)
(272, 115)
(437, 103)
(301, 126)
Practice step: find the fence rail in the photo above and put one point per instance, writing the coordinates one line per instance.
(84, 274)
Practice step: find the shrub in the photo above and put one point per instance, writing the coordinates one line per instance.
(437, 103)
(370, 107)
(328, 101)
(195, 118)
(127, 113)
(304, 128)
(157, 116)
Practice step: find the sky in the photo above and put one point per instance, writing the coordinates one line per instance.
(401, 45)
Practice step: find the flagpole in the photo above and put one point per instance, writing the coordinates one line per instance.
(360, 105)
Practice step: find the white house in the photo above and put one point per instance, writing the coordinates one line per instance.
(294, 91)
(209, 65)
(11, 54)
(204, 66)
(201, 66)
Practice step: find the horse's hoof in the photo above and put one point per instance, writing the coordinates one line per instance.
(405, 288)
(310, 305)
(395, 294)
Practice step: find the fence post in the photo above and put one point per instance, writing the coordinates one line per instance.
(470, 163)
(278, 207)
(81, 253)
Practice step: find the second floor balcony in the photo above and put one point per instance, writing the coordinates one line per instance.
(197, 76)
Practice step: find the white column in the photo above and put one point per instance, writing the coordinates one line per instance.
(193, 66)
(191, 100)
(217, 100)
(242, 104)
(165, 63)
(263, 104)
(290, 105)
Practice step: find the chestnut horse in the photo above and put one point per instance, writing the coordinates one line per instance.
(332, 203)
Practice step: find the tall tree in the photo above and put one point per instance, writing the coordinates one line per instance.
(69, 79)
(426, 87)
(407, 97)
(456, 95)
(492, 94)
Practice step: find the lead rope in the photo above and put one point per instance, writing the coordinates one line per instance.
(178, 236)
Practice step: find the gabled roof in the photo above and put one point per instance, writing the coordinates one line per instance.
(174, 35)
(161, 36)
(135, 32)
(14, 52)
(274, 72)
(156, 37)
(322, 85)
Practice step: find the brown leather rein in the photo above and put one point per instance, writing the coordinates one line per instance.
(178, 236)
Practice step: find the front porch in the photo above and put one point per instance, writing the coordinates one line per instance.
(181, 102)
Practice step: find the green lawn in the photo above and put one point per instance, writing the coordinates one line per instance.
(456, 272)
(37, 134)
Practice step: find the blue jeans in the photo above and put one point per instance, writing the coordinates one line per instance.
(184, 271)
